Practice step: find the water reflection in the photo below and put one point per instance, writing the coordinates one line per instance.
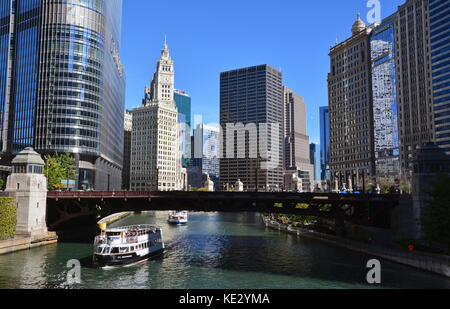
(213, 251)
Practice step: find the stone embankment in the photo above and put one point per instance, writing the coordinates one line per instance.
(19, 243)
(435, 263)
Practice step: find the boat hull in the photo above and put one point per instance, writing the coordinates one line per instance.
(177, 222)
(125, 259)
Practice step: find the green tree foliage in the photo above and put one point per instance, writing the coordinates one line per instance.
(435, 217)
(8, 217)
(56, 168)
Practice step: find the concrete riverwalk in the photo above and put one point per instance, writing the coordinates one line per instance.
(435, 263)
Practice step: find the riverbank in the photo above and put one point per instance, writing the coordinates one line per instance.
(19, 243)
(435, 263)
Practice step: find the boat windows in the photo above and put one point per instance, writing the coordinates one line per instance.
(115, 250)
(123, 249)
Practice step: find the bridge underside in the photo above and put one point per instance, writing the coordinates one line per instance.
(71, 210)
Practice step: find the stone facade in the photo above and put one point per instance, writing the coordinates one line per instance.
(28, 185)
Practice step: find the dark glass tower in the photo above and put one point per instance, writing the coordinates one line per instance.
(252, 97)
(65, 85)
(440, 61)
(183, 103)
(385, 115)
(324, 143)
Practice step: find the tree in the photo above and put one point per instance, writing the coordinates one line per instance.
(435, 216)
(56, 169)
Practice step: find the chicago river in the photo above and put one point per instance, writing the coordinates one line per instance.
(213, 251)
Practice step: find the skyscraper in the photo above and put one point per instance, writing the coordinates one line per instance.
(183, 103)
(251, 118)
(350, 108)
(413, 65)
(386, 134)
(324, 143)
(313, 159)
(297, 151)
(440, 61)
(128, 128)
(206, 151)
(156, 137)
(62, 84)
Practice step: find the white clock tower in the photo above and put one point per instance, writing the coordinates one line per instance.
(156, 135)
(162, 85)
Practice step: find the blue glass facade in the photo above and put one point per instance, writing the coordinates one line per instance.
(324, 143)
(440, 59)
(183, 103)
(22, 109)
(67, 84)
(5, 37)
(385, 113)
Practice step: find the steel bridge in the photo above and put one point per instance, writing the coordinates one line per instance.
(69, 209)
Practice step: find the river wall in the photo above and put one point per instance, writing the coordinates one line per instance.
(19, 243)
(435, 263)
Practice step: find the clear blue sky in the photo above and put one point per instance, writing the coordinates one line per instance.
(206, 37)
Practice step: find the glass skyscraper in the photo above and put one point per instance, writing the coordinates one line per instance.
(63, 85)
(206, 151)
(324, 143)
(386, 135)
(440, 59)
(183, 103)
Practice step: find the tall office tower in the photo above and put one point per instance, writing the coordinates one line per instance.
(415, 107)
(296, 141)
(350, 108)
(324, 143)
(386, 135)
(440, 61)
(62, 85)
(156, 136)
(183, 103)
(128, 128)
(312, 158)
(206, 151)
(252, 97)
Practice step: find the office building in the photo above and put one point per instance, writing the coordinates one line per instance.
(413, 66)
(297, 154)
(440, 62)
(386, 135)
(350, 108)
(128, 127)
(251, 117)
(206, 151)
(313, 158)
(324, 143)
(156, 137)
(62, 84)
(183, 104)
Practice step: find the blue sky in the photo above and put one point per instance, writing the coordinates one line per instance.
(206, 37)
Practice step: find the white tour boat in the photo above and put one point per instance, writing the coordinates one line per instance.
(178, 218)
(127, 245)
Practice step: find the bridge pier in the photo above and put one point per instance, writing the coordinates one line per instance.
(28, 185)
(339, 222)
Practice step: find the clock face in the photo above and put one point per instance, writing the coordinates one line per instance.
(166, 79)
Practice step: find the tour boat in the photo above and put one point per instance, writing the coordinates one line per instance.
(127, 245)
(178, 217)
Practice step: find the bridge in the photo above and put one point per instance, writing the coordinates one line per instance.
(69, 209)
